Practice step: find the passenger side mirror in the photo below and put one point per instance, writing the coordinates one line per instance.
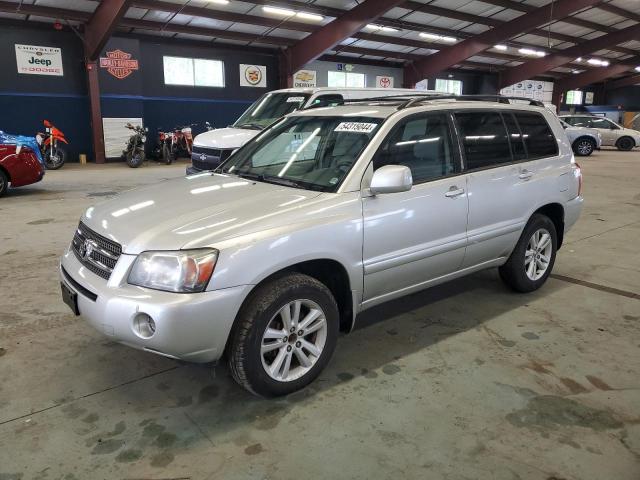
(391, 179)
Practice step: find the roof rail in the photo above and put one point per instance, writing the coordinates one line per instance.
(480, 98)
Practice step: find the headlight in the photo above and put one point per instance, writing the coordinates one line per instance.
(183, 271)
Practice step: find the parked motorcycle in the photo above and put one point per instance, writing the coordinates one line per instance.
(162, 150)
(182, 142)
(54, 155)
(134, 151)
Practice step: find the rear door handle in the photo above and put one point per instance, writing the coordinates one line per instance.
(454, 192)
(525, 175)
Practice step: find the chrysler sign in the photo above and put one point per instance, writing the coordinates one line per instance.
(35, 60)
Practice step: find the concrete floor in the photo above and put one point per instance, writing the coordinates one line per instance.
(464, 381)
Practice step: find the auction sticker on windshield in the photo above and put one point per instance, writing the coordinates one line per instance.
(356, 127)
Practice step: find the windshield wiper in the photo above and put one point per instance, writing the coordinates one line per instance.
(271, 179)
(252, 126)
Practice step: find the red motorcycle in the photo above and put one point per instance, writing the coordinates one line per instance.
(181, 142)
(54, 156)
(162, 151)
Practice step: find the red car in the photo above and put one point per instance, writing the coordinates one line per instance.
(20, 162)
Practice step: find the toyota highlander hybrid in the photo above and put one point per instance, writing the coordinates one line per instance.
(324, 214)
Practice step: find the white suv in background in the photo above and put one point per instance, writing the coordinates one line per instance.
(215, 146)
(613, 135)
(322, 215)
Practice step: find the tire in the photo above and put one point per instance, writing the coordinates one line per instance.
(57, 160)
(516, 272)
(262, 309)
(584, 146)
(134, 160)
(4, 183)
(167, 158)
(625, 144)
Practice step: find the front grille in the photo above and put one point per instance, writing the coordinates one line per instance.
(204, 158)
(97, 253)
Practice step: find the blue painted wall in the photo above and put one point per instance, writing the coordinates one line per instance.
(25, 100)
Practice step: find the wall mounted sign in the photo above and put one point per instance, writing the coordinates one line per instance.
(305, 79)
(588, 98)
(384, 81)
(344, 67)
(34, 60)
(119, 64)
(253, 76)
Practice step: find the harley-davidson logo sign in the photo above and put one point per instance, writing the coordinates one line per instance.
(119, 64)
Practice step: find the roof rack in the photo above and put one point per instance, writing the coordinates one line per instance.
(479, 98)
(411, 99)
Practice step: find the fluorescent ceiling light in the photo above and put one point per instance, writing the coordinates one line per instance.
(220, 2)
(637, 69)
(373, 26)
(579, 59)
(309, 16)
(576, 71)
(441, 38)
(529, 51)
(278, 11)
(500, 47)
(598, 63)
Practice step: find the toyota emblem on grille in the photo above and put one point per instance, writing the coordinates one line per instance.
(203, 157)
(86, 248)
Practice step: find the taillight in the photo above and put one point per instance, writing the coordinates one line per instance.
(578, 174)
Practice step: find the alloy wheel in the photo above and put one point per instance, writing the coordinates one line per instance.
(294, 340)
(584, 147)
(538, 254)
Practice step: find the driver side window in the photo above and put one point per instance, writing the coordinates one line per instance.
(422, 143)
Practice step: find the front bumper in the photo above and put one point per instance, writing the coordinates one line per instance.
(192, 327)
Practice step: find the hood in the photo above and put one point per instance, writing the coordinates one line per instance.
(21, 140)
(225, 138)
(195, 211)
(629, 131)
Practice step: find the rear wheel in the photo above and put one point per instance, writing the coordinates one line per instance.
(584, 146)
(4, 183)
(625, 144)
(167, 157)
(135, 159)
(285, 335)
(532, 260)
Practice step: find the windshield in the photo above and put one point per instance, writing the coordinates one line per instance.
(313, 153)
(269, 108)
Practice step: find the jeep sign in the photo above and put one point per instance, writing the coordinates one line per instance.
(34, 60)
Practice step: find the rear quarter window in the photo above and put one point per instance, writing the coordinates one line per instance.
(537, 135)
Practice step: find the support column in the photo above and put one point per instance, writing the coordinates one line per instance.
(97, 134)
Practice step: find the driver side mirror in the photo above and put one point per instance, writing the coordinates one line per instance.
(391, 179)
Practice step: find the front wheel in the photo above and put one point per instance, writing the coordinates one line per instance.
(625, 144)
(584, 147)
(284, 336)
(167, 156)
(54, 159)
(4, 183)
(532, 260)
(135, 159)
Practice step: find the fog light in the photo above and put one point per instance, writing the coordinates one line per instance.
(144, 325)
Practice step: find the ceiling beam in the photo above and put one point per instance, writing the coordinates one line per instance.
(331, 34)
(101, 25)
(623, 82)
(446, 57)
(541, 65)
(571, 82)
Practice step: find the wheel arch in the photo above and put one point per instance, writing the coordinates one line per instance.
(329, 272)
(555, 212)
(585, 137)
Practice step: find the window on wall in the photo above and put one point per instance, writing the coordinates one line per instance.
(574, 97)
(346, 79)
(193, 72)
(449, 86)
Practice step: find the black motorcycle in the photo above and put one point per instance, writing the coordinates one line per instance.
(134, 151)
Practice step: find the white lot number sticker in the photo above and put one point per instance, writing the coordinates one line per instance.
(295, 99)
(356, 127)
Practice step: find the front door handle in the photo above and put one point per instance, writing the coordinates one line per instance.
(454, 192)
(525, 175)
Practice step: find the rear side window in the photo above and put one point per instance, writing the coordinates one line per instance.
(538, 137)
(484, 139)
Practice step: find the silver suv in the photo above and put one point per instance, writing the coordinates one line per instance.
(613, 135)
(324, 214)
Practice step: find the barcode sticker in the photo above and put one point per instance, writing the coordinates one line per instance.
(356, 127)
(295, 99)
